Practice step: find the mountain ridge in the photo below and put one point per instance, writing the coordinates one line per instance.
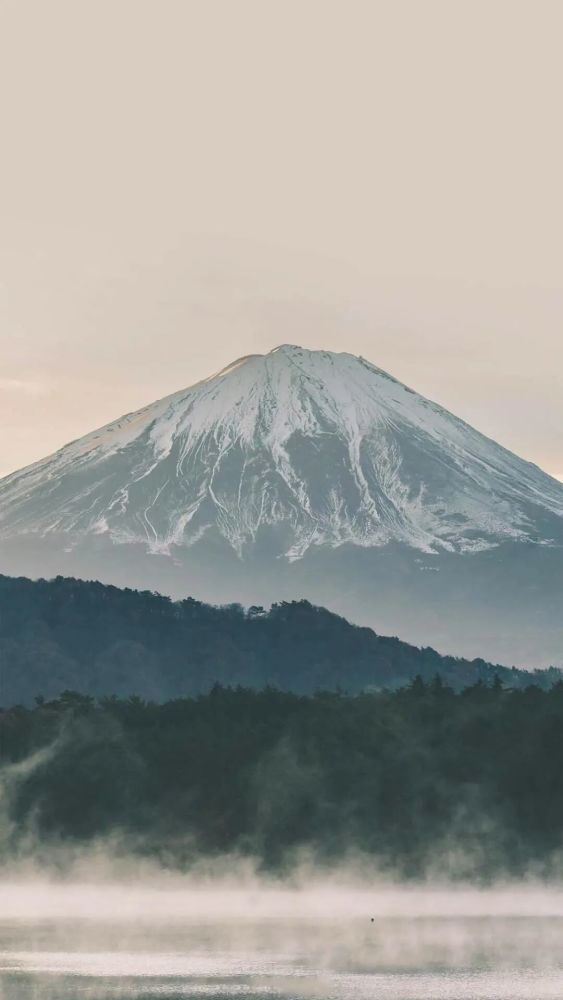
(99, 640)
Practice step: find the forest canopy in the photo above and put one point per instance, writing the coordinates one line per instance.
(410, 779)
(67, 634)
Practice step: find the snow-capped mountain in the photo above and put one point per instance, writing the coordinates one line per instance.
(278, 458)
(325, 445)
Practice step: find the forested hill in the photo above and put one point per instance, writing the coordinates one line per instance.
(67, 634)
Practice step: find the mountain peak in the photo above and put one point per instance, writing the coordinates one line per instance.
(288, 349)
(322, 448)
(293, 351)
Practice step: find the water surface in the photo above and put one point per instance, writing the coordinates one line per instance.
(106, 943)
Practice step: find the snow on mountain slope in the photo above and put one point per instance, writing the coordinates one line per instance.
(323, 448)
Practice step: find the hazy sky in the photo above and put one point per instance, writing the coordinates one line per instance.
(186, 181)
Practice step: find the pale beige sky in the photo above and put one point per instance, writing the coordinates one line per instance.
(186, 181)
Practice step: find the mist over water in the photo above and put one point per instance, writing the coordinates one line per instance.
(102, 918)
(312, 935)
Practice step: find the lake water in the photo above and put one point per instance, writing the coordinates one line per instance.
(106, 943)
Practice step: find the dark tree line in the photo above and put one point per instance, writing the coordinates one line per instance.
(68, 634)
(410, 777)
